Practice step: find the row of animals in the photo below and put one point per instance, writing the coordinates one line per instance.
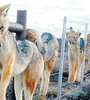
(34, 58)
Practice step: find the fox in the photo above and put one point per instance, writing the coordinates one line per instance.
(23, 62)
(48, 46)
(76, 55)
(88, 45)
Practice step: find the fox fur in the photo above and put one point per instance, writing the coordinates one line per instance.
(48, 47)
(76, 55)
(25, 63)
(88, 44)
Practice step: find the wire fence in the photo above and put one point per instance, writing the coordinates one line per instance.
(66, 83)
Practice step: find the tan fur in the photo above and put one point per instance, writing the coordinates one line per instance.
(88, 42)
(49, 62)
(3, 14)
(75, 57)
(26, 68)
(32, 36)
(32, 75)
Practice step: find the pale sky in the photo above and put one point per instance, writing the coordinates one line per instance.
(47, 15)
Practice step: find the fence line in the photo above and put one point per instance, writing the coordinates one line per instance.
(81, 83)
(62, 56)
(69, 91)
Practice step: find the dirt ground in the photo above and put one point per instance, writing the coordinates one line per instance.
(70, 91)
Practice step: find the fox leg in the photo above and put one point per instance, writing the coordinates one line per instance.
(73, 66)
(48, 66)
(31, 76)
(5, 79)
(18, 87)
(71, 76)
(6, 75)
(45, 80)
(27, 93)
(81, 59)
(29, 86)
(78, 75)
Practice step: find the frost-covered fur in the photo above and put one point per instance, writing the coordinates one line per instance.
(48, 47)
(24, 62)
(76, 55)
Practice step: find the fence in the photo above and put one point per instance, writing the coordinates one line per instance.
(19, 29)
(62, 59)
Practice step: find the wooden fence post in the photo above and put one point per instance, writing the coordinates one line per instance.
(61, 59)
(15, 27)
(21, 19)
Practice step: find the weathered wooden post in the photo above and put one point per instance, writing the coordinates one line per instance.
(61, 59)
(83, 66)
(21, 19)
(15, 27)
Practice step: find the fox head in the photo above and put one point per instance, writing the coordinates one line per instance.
(4, 24)
(4, 21)
(32, 35)
(72, 37)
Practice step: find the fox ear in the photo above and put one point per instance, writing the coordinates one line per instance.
(5, 9)
(79, 34)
